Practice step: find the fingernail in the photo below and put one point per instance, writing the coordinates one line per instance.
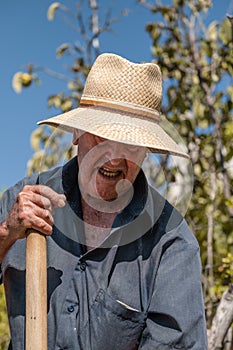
(61, 202)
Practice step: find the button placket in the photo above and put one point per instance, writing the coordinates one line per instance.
(70, 308)
(82, 265)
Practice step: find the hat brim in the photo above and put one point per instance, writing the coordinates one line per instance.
(120, 127)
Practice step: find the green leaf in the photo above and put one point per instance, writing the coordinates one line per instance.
(66, 105)
(17, 82)
(225, 32)
(230, 92)
(212, 32)
(229, 203)
(54, 100)
(198, 109)
(51, 10)
(36, 138)
(154, 31)
(62, 49)
(72, 85)
(26, 79)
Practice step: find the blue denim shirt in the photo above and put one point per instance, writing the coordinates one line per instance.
(140, 289)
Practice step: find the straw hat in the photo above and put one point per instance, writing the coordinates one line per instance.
(121, 102)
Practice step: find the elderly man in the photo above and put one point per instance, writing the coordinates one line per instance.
(123, 267)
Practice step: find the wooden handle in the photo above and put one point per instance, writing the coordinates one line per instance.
(36, 292)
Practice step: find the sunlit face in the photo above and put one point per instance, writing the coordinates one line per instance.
(104, 164)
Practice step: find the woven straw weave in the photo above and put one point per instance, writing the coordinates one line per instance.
(118, 80)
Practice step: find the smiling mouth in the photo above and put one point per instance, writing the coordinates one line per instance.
(109, 173)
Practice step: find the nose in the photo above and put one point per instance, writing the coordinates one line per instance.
(116, 152)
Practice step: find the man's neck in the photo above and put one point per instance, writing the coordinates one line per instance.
(97, 218)
(97, 225)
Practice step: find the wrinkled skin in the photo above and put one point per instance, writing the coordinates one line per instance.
(104, 164)
(107, 171)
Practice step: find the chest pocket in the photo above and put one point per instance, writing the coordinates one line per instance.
(111, 325)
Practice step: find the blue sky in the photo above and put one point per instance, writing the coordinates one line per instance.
(28, 37)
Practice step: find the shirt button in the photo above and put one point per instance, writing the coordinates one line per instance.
(70, 308)
(83, 266)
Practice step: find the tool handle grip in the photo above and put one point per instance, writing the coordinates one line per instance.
(36, 291)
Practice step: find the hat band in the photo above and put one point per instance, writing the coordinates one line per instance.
(122, 107)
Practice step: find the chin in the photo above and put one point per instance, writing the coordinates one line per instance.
(107, 197)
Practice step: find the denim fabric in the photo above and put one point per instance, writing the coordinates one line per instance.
(140, 289)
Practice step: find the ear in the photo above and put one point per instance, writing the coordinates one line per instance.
(76, 135)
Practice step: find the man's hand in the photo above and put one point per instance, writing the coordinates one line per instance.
(33, 208)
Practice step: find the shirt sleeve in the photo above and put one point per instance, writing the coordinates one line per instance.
(8, 199)
(176, 318)
(9, 196)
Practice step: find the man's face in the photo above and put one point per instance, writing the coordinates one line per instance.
(104, 164)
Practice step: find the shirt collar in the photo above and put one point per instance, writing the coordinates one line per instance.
(70, 186)
(146, 208)
(137, 204)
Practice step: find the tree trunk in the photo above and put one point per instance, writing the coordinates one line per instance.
(222, 322)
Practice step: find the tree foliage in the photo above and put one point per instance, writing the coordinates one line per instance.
(197, 65)
(4, 327)
(196, 59)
